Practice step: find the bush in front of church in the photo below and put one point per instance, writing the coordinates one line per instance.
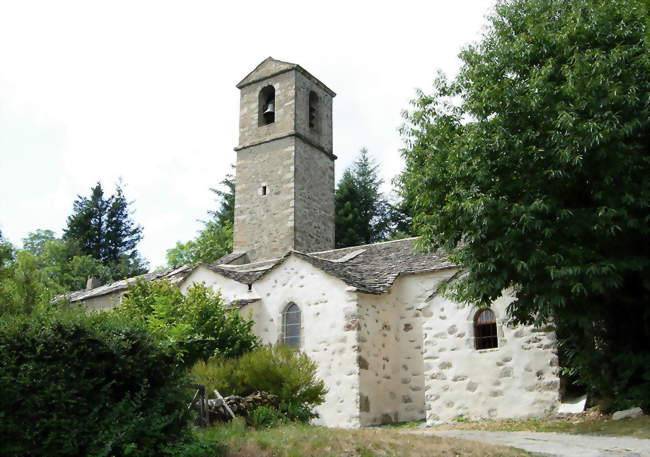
(195, 324)
(278, 370)
(74, 384)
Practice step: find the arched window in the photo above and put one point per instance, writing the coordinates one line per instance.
(291, 326)
(266, 109)
(485, 330)
(313, 110)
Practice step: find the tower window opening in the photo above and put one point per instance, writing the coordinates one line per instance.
(263, 190)
(313, 110)
(266, 106)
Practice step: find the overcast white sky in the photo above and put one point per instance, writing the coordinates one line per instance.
(145, 90)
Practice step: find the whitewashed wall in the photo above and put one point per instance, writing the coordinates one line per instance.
(520, 378)
(392, 380)
(329, 326)
(104, 302)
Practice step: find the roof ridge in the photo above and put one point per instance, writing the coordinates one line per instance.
(358, 246)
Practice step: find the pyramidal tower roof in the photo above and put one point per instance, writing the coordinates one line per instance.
(271, 67)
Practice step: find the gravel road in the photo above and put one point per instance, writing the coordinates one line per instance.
(556, 444)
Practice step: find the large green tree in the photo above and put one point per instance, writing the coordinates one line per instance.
(363, 215)
(214, 240)
(46, 266)
(532, 168)
(102, 228)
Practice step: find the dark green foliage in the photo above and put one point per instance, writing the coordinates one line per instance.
(531, 168)
(195, 325)
(88, 385)
(102, 228)
(277, 370)
(363, 215)
(215, 238)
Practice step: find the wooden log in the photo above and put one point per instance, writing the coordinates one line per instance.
(220, 398)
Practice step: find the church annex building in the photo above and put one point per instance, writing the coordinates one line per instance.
(388, 346)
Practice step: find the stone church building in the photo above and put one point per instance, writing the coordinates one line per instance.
(388, 346)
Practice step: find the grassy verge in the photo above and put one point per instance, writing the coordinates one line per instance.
(583, 424)
(296, 440)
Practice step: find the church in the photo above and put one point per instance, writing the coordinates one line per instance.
(389, 347)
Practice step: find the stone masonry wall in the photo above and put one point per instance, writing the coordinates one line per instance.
(314, 199)
(322, 134)
(264, 224)
(250, 132)
(520, 378)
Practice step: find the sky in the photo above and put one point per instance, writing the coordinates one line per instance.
(144, 91)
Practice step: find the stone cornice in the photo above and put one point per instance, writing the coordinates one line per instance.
(287, 135)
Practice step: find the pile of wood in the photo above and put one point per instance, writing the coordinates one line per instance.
(224, 409)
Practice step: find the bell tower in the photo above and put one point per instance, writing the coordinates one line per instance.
(284, 197)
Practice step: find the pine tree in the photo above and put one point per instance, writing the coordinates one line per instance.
(103, 229)
(362, 213)
(226, 213)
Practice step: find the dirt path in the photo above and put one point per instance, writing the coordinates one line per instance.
(555, 444)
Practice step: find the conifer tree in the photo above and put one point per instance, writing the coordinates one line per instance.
(103, 229)
(362, 213)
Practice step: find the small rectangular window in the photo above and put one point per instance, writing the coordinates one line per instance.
(263, 190)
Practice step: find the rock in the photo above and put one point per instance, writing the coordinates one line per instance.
(628, 413)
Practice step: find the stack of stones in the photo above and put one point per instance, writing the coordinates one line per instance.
(240, 406)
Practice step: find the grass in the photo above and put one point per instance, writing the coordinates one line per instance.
(584, 424)
(296, 440)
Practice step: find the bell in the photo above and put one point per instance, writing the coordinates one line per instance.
(270, 108)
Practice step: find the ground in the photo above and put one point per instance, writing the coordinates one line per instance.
(571, 436)
(587, 424)
(307, 441)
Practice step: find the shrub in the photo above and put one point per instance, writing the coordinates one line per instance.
(97, 385)
(265, 417)
(278, 370)
(196, 324)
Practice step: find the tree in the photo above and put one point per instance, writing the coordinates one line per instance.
(6, 255)
(46, 267)
(531, 169)
(103, 229)
(362, 213)
(226, 199)
(214, 240)
(196, 325)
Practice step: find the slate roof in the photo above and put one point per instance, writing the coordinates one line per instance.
(271, 67)
(371, 268)
(174, 275)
